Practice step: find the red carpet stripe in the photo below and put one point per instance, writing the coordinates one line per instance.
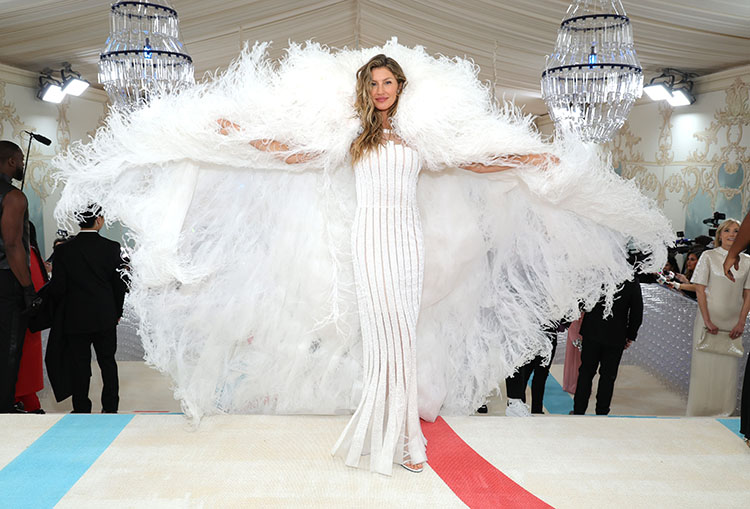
(472, 478)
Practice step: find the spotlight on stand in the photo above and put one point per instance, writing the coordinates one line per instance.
(50, 89)
(72, 83)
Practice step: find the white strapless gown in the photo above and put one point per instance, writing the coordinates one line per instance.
(388, 255)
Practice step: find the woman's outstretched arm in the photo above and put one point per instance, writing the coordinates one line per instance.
(227, 126)
(513, 161)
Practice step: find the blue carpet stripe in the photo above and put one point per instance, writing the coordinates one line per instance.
(42, 474)
(733, 424)
(556, 400)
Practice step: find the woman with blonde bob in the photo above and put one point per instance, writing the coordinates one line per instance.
(723, 307)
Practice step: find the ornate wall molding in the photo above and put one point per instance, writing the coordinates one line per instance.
(721, 148)
(665, 155)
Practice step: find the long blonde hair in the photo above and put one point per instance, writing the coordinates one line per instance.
(372, 125)
(723, 226)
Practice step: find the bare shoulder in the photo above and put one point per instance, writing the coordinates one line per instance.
(15, 199)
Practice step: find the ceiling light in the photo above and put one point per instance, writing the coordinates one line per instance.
(50, 89)
(144, 55)
(72, 83)
(592, 77)
(658, 91)
(681, 97)
(664, 88)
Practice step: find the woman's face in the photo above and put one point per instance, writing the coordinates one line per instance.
(692, 261)
(728, 235)
(383, 88)
(668, 268)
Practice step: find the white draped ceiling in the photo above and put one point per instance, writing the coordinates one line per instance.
(508, 38)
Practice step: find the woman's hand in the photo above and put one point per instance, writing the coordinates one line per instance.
(681, 278)
(738, 330)
(712, 329)
(225, 126)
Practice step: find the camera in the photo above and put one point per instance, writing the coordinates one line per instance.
(683, 245)
(714, 221)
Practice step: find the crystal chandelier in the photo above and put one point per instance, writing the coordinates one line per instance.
(143, 54)
(593, 76)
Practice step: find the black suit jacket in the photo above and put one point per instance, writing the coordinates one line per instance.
(622, 324)
(88, 284)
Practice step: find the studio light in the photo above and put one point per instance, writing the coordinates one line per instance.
(50, 89)
(72, 83)
(664, 88)
(682, 96)
(658, 91)
(54, 90)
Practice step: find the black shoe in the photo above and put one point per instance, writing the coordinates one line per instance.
(482, 409)
(18, 408)
(109, 411)
(38, 411)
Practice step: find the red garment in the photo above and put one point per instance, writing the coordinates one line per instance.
(30, 374)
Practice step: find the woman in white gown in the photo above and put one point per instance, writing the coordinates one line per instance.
(388, 254)
(388, 258)
(723, 305)
(251, 289)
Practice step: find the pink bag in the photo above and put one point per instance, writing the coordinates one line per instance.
(572, 357)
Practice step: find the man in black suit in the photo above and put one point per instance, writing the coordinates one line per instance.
(87, 280)
(604, 340)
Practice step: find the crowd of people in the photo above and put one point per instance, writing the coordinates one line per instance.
(597, 340)
(78, 293)
(83, 301)
(88, 278)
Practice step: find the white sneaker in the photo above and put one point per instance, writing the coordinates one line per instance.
(517, 408)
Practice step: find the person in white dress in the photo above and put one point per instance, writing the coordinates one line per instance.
(248, 293)
(723, 306)
(388, 258)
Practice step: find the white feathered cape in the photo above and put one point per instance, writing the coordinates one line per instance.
(241, 264)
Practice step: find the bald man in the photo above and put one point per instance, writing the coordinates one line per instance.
(16, 290)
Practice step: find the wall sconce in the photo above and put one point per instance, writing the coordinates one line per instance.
(664, 88)
(54, 90)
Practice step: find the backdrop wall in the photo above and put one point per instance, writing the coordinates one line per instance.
(693, 160)
(76, 118)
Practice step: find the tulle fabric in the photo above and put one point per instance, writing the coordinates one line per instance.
(242, 277)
